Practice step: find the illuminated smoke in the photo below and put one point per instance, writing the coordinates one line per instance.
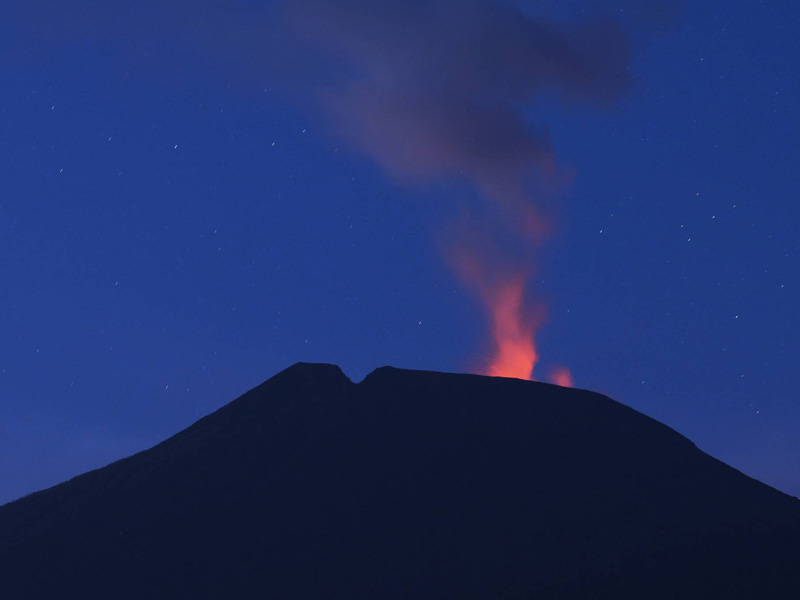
(516, 354)
(561, 376)
(501, 289)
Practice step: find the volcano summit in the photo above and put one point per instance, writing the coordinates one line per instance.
(408, 485)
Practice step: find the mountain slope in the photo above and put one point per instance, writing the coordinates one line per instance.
(408, 485)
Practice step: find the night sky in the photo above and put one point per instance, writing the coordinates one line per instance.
(196, 195)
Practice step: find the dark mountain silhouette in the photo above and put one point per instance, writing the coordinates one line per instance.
(408, 485)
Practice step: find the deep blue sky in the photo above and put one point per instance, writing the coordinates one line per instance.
(179, 221)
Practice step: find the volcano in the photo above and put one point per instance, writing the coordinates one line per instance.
(409, 484)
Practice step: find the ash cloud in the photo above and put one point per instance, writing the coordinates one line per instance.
(441, 88)
(429, 89)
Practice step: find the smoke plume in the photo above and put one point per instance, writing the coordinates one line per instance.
(430, 90)
(444, 89)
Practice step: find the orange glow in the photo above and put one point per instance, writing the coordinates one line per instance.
(513, 321)
(515, 350)
(561, 376)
